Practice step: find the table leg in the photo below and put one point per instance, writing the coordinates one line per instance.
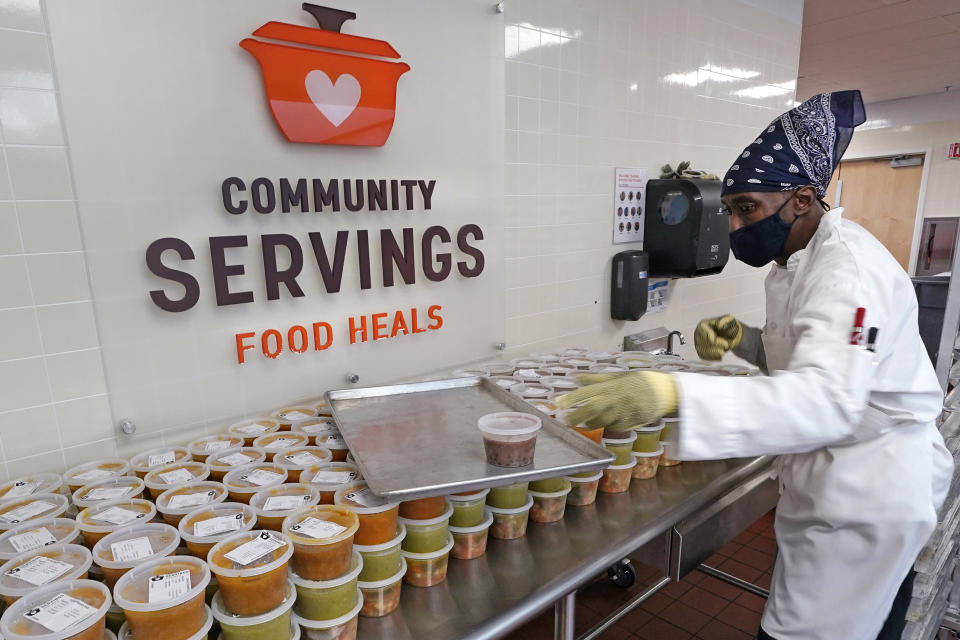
(564, 613)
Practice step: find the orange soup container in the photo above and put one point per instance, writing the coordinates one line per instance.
(16, 511)
(129, 547)
(378, 516)
(276, 503)
(25, 572)
(330, 478)
(274, 443)
(125, 634)
(206, 526)
(174, 475)
(323, 537)
(243, 482)
(86, 601)
(28, 485)
(289, 416)
(119, 488)
(173, 504)
(93, 471)
(253, 428)
(201, 448)
(336, 444)
(252, 570)
(103, 518)
(36, 534)
(319, 426)
(424, 508)
(297, 459)
(163, 599)
(151, 459)
(222, 462)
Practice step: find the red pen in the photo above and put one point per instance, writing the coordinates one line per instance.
(856, 336)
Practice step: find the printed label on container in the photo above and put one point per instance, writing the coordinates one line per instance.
(283, 503)
(220, 524)
(281, 443)
(94, 474)
(303, 458)
(40, 570)
(319, 529)
(319, 428)
(528, 373)
(335, 441)
(334, 477)
(27, 511)
(252, 429)
(118, 515)
(106, 493)
(365, 498)
(191, 499)
(158, 459)
(33, 539)
(169, 586)
(60, 613)
(217, 445)
(20, 489)
(130, 550)
(235, 459)
(255, 549)
(294, 415)
(262, 477)
(180, 476)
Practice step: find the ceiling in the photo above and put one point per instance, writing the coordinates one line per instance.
(886, 48)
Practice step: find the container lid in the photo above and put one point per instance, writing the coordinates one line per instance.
(544, 356)
(386, 582)
(281, 441)
(470, 497)
(249, 553)
(157, 457)
(560, 383)
(314, 426)
(648, 454)
(528, 375)
(509, 423)
(429, 522)
(321, 524)
(251, 478)
(487, 521)
(593, 478)
(409, 555)
(162, 583)
(224, 616)
(608, 368)
(383, 546)
(36, 534)
(235, 457)
(361, 499)
(356, 566)
(183, 500)
(293, 415)
(497, 368)
(284, 499)
(622, 467)
(498, 511)
(303, 457)
(658, 426)
(580, 362)
(504, 382)
(331, 476)
(253, 427)
(57, 611)
(329, 624)
(110, 489)
(211, 444)
(332, 441)
(27, 571)
(552, 494)
(130, 546)
(526, 363)
(37, 505)
(97, 470)
(559, 369)
(210, 524)
(176, 475)
(601, 355)
(572, 351)
(106, 516)
(525, 390)
(628, 437)
(28, 485)
(199, 635)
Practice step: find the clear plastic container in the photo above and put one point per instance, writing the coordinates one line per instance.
(274, 443)
(28, 485)
(36, 534)
(321, 425)
(504, 382)
(328, 599)
(509, 437)
(560, 369)
(471, 542)
(549, 506)
(222, 462)
(531, 391)
(510, 523)
(528, 376)
(469, 373)
(429, 535)
(497, 368)
(669, 426)
(380, 561)
(276, 503)
(87, 600)
(289, 416)
(26, 571)
(104, 518)
(602, 356)
(647, 463)
(560, 384)
(272, 625)
(616, 478)
(342, 628)
(330, 478)
(321, 406)
(253, 428)
(252, 569)
(544, 406)
(151, 459)
(423, 508)
(323, 537)
(468, 508)
(669, 451)
(243, 482)
(549, 485)
(158, 607)
(89, 472)
(131, 546)
(621, 446)
(427, 569)
(378, 516)
(173, 504)
(119, 488)
(335, 443)
(173, 475)
(201, 448)
(204, 527)
(297, 459)
(382, 597)
(511, 496)
(526, 363)
(648, 438)
(581, 362)
(583, 490)
(124, 633)
(16, 511)
(602, 367)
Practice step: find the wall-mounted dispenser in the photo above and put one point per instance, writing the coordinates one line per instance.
(628, 285)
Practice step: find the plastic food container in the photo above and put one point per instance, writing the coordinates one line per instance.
(274, 443)
(647, 463)
(124, 633)
(471, 542)
(509, 437)
(33, 507)
(468, 508)
(549, 485)
(175, 475)
(323, 537)
(163, 599)
(36, 534)
(511, 496)
(546, 406)
(583, 491)
(252, 429)
(128, 547)
(243, 482)
(93, 471)
(667, 459)
(321, 425)
(252, 569)
(335, 443)
(497, 368)
(616, 477)
(378, 517)
(560, 384)
(602, 356)
(104, 518)
(427, 569)
(296, 459)
(276, 503)
(330, 478)
(526, 363)
(427, 536)
(84, 601)
(580, 362)
(560, 369)
(510, 523)
(26, 571)
(289, 416)
(28, 485)
(381, 561)
(173, 504)
(119, 488)
(669, 425)
(528, 376)
(328, 599)
(272, 625)
(382, 597)
(530, 391)
(469, 373)
(342, 628)
(151, 459)
(648, 438)
(204, 527)
(549, 506)
(424, 508)
(222, 462)
(504, 382)
(602, 367)
(115, 619)
(621, 446)
(201, 448)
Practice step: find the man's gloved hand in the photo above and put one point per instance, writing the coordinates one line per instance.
(715, 336)
(621, 401)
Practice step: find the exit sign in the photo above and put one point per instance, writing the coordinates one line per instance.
(953, 151)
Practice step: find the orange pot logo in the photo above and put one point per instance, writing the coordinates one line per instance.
(323, 97)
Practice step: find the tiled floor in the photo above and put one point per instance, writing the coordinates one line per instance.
(699, 607)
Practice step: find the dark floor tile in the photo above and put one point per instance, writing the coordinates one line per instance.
(616, 632)
(754, 558)
(744, 537)
(684, 616)
(751, 601)
(769, 533)
(704, 601)
(677, 589)
(722, 589)
(740, 570)
(694, 577)
(658, 629)
(635, 619)
(656, 603)
(741, 618)
(764, 545)
(759, 525)
(716, 630)
(729, 549)
(764, 581)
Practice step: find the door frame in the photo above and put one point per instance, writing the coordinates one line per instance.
(927, 153)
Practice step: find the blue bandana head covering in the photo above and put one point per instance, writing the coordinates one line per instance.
(801, 147)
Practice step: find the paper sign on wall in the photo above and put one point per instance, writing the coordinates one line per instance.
(628, 200)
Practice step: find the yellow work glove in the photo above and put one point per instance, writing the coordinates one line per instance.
(715, 336)
(621, 401)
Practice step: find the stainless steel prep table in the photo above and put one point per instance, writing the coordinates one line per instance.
(517, 580)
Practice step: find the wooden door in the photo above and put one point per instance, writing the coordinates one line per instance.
(881, 199)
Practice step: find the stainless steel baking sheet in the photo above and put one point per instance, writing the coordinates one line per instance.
(421, 439)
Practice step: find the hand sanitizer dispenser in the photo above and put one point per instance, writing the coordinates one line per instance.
(628, 286)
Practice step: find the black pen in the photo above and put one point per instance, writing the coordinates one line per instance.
(872, 339)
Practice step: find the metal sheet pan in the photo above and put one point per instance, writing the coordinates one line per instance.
(421, 439)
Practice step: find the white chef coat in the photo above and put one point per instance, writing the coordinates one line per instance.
(862, 466)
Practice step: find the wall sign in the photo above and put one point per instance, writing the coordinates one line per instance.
(630, 187)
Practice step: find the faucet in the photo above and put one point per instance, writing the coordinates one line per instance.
(670, 351)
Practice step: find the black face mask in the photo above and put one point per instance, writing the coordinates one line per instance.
(759, 243)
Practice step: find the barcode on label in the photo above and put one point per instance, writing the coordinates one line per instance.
(60, 613)
(255, 549)
(220, 524)
(27, 511)
(169, 586)
(118, 515)
(33, 539)
(130, 550)
(40, 570)
(319, 529)
(158, 459)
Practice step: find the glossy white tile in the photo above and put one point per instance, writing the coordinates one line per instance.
(24, 60)
(58, 277)
(75, 375)
(24, 15)
(85, 420)
(49, 227)
(67, 327)
(30, 116)
(20, 337)
(39, 173)
(9, 230)
(29, 432)
(14, 283)
(23, 383)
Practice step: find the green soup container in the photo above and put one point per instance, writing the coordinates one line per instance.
(327, 599)
(621, 447)
(380, 561)
(468, 509)
(427, 536)
(549, 485)
(648, 438)
(272, 625)
(512, 496)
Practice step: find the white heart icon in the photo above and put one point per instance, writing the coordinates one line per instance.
(336, 101)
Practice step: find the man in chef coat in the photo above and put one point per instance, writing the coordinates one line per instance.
(862, 467)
